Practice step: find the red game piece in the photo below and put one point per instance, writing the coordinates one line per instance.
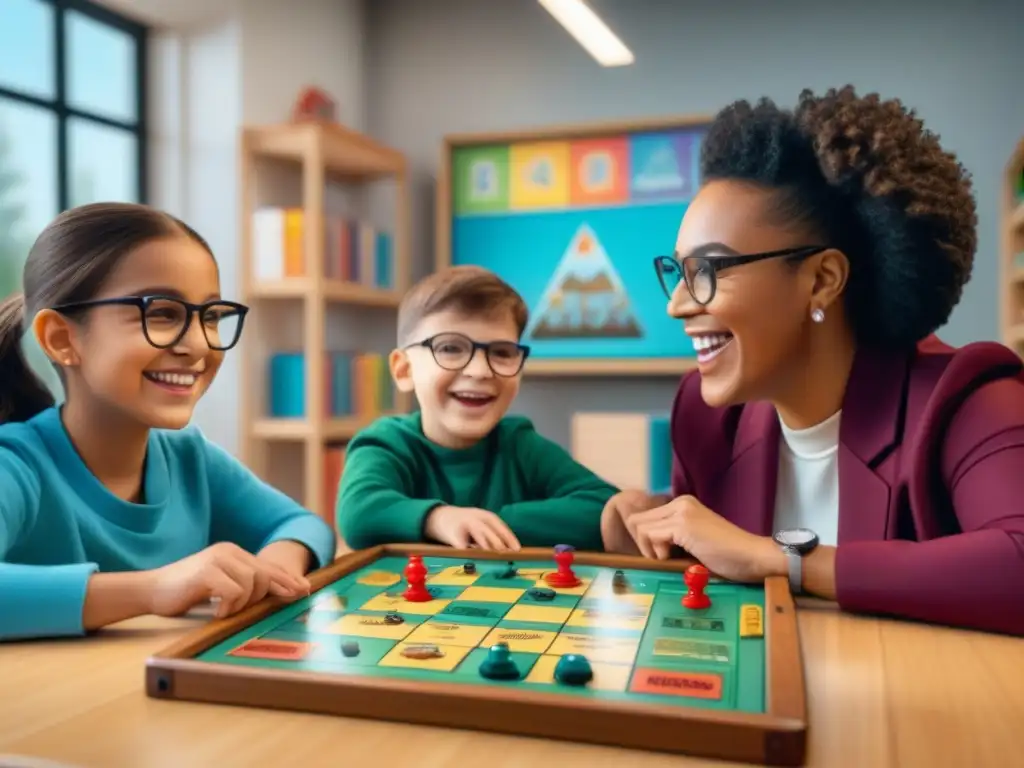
(564, 577)
(696, 578)
(416, 575)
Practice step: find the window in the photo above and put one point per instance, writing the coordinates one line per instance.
(72, 117)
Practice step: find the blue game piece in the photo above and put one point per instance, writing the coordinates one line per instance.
(573, 669)
(499, 665)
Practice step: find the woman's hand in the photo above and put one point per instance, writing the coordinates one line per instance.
(623, 505)
(725, 549)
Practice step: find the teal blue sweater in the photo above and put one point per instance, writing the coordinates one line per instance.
(59, 524)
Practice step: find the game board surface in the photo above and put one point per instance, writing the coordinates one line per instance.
(641, 643)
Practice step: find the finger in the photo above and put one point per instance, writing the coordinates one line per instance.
(261, 585)
(283, 582)
(506, 538)
(224, 591)
(460, 538)
(244, 576)
(661, 538)
(484, 536)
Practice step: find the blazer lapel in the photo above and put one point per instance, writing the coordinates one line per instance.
(871, 427)
(747, 489)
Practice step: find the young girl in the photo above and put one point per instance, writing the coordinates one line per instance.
(109, 507)
(827, 436)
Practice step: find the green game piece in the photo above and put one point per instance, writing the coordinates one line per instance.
(499, 665)
(542, 593)
(350, 648)
(573, 669)
(510, 571)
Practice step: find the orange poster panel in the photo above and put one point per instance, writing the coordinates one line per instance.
(600, 171)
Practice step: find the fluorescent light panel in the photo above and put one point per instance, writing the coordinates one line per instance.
(590, 31)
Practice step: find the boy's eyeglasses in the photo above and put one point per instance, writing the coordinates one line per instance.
(166, 320)
(700, 273)
(454, 351)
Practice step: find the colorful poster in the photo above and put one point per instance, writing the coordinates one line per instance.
(600, 171)
(480, 179)
(540, 175)
(664, 165)
(585, 297)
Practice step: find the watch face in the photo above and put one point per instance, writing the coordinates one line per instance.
(796, 537)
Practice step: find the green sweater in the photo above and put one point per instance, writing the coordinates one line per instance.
(394, 476)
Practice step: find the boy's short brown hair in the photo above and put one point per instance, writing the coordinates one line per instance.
(473, 291)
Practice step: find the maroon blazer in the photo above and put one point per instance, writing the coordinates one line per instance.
(931, 481)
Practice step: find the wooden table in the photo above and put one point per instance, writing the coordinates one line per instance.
(880, 694)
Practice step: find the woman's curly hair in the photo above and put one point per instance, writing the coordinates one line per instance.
(866, 177)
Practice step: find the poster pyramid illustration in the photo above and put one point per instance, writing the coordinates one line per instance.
(585, 298)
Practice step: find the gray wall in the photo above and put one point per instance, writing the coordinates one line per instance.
(447, 66)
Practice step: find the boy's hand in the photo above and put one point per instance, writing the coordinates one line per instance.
(615, 534)
(462, 527)
(224, 573)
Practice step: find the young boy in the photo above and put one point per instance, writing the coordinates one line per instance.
(459, 471)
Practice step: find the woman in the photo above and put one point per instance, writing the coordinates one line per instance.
(827, 436)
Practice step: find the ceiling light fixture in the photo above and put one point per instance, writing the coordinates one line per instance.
(590, 31)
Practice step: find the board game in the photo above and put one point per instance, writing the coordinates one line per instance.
(590, 647)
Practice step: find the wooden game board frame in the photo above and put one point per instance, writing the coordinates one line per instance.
(777, 737)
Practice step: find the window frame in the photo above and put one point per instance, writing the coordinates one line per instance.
(62, 110)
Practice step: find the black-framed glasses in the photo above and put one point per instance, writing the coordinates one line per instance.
(166, 320)
(700, 273)
(454, 351)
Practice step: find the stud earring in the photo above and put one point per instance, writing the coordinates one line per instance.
(818, 315)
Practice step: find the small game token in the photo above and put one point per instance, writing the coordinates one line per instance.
(394, 618)
(425, 651)
(542, 593)
(696, 578)
(350, 648)
(564, 576)
(619, 582)
(510, 571)
(416, 576)
(499, 665)
(573, 669)
(469, 568)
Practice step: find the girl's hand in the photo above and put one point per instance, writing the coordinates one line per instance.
(223, 573)
(294, 557)
(723, 548)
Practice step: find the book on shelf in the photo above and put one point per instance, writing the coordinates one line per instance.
(356, 384)
(334, 465)
(354, 251)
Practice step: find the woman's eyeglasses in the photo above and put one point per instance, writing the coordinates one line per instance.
(700, 273)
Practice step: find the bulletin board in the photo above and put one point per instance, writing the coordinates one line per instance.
(573, 218)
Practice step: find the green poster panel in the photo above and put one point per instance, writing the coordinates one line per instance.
(480, 179)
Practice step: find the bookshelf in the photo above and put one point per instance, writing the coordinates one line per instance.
(1012, 267)
(307, 191)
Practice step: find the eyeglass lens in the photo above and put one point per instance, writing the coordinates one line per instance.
(698, 273)
(165, 321)
(454, 352)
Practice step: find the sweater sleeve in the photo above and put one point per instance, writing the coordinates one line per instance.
(568, 497)
(252, 514)
(35, 600)
(375, 501)
(972, 578)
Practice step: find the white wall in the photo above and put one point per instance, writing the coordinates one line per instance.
(207, 82)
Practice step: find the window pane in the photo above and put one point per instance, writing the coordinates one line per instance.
(26, 47)
(101, 74)
(103, 163)
(28, 184)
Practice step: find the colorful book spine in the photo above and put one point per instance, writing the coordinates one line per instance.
(354, 251)
(356, 384)
(334, 465)
(278, 246)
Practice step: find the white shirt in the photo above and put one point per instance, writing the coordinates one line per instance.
(807, 495)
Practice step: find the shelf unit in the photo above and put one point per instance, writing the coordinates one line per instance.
(302, 162)
(1012, 267)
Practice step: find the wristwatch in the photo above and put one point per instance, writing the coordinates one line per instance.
(797, 543)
